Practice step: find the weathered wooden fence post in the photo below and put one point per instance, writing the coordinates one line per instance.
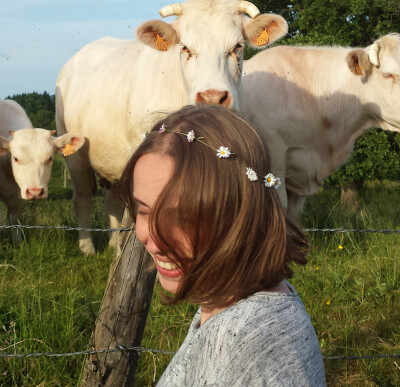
(122, 315)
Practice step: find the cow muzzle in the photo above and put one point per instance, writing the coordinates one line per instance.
(214, 97)
(34, 194)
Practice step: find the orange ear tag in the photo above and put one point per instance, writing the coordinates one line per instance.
(161, 44)
(263, 38)
(68, 150)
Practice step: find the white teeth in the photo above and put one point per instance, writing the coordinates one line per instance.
(167, 265)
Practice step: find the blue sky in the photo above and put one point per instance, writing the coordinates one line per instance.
(37, 37)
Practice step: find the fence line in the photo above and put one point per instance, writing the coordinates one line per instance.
(69, 228)
(121, 348)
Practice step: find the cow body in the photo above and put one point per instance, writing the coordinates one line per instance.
(113, 90)
(26, 157)
(310, 104)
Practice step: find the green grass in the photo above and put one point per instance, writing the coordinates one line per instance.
(50, 293)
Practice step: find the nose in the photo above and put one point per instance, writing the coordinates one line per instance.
(214, 97)
(151, 246)
(34, 193)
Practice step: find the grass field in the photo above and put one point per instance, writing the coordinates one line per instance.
(50, 292)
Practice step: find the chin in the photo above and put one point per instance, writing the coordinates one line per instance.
(169, 285)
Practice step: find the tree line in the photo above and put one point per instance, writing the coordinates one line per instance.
(40, 108)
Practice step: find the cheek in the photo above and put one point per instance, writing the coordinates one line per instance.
(235, 67)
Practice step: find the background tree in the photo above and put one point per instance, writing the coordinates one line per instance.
(40, 108)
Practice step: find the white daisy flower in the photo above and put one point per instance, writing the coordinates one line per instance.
(269, 180)
(190, 136)
(252, 176)
(277, 182)
(223, 152)
(144, 135)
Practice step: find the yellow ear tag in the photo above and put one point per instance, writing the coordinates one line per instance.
(68, 150)
(161, 44)
(263, 38)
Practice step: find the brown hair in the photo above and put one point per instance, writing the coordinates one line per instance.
(241, 239)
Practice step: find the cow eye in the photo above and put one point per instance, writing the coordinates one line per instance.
(16, 159)
(388, 76)
(235, 50)
(186, 50)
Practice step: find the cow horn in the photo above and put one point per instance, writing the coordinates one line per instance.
(249, 8)
(170, 10)
(373, 54)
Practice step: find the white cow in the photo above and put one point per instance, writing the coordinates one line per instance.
(310, 104)
(110, 89)
(26, 157)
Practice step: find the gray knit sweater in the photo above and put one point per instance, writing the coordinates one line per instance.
(264, 340)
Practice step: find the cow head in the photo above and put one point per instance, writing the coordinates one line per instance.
(31, 152)
(378, 65)
(209, 36)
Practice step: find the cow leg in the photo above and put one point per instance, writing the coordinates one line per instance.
(15, 206)
(114, 210)
(84, 184)
(295, 206)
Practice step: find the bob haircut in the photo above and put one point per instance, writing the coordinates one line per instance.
(241, 240)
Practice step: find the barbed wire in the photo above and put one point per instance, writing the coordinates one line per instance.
(344, 230)
(70, 228)
(65, 228)
(121, 348)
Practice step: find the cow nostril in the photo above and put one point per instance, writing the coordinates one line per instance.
(224, 98)
(200, 98)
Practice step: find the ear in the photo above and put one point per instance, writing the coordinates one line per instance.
(265, 29)
(359, 63)
(69, 143)
(157, 34)
(4, 145)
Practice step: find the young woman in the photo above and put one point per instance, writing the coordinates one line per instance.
(206, 209)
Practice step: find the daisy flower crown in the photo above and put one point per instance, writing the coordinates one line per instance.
(223, 152)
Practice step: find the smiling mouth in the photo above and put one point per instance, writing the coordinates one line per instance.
(167, 265)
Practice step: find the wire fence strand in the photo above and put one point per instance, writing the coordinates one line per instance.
(121, 348)
(70, 228)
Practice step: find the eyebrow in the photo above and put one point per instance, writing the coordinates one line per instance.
(140, 202)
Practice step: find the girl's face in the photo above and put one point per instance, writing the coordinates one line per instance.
(151, 174)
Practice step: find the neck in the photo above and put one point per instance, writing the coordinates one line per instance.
(207, 311)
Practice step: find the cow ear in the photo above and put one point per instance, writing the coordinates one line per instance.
(4, 145)
(265, 29)
(359, 63)
(157, 34)
(69, 143)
